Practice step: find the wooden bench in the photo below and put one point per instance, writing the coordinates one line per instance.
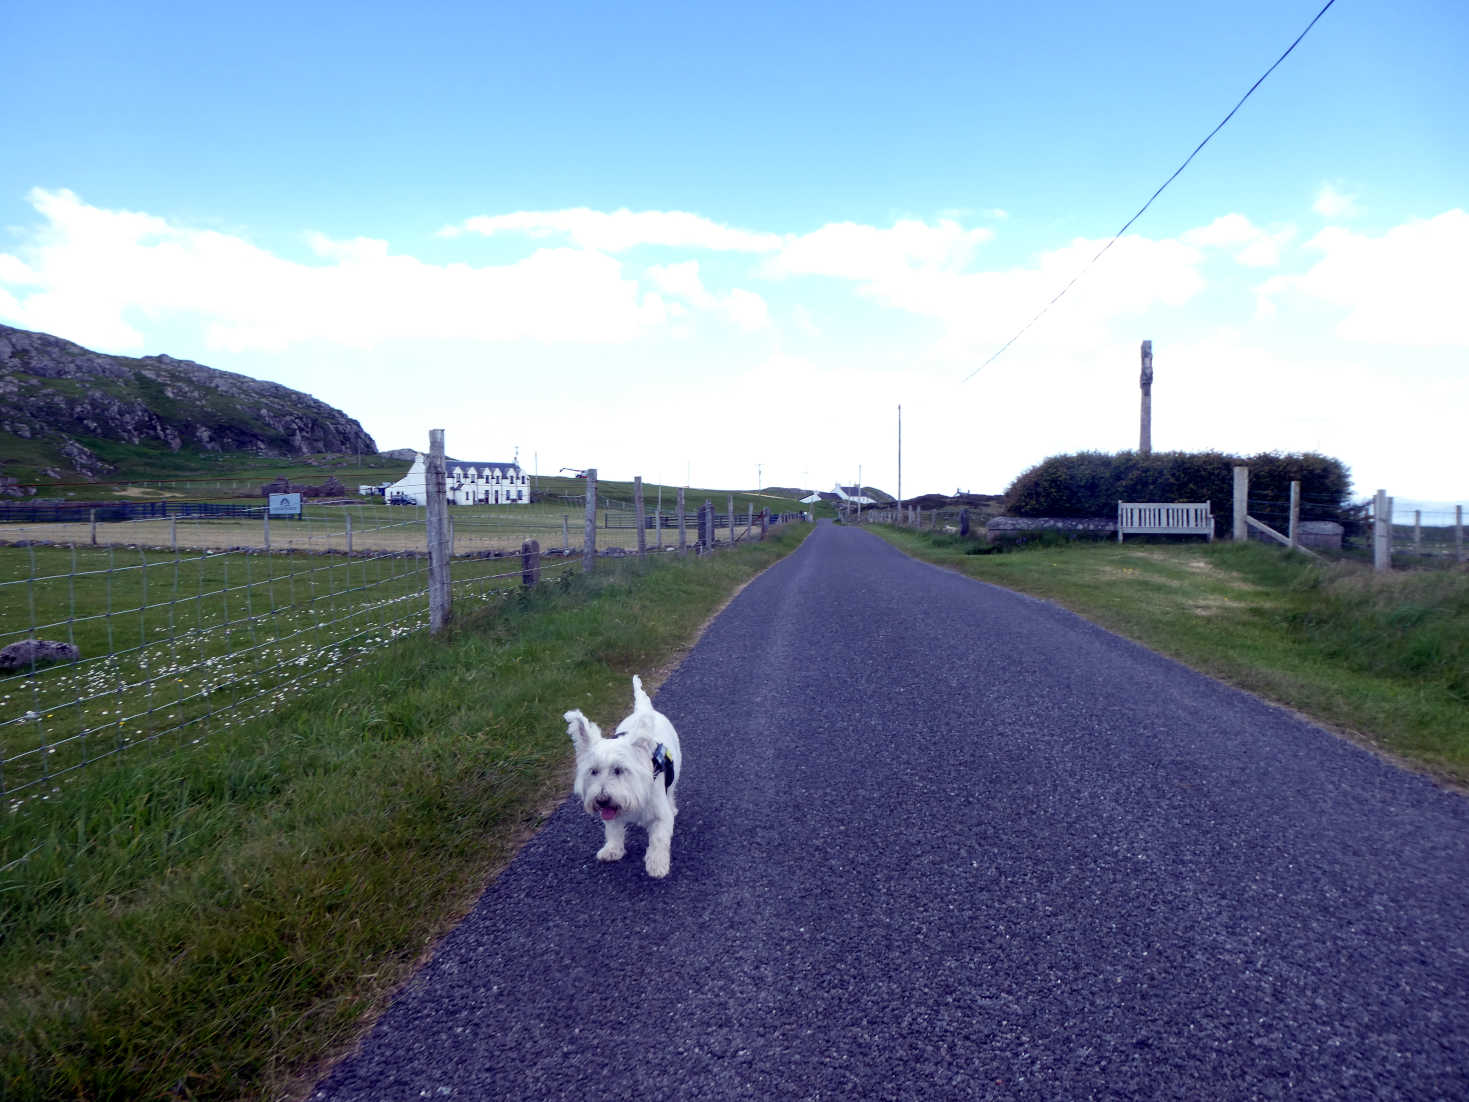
(1158, 518)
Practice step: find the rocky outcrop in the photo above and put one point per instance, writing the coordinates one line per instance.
(54, 391)
(27, 654)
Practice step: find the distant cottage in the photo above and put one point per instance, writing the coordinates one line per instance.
(467, 484)
(853, 495)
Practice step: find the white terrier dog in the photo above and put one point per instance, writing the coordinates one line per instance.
(630, 778)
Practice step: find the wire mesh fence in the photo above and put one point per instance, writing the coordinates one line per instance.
(354, 528)
(178, 625)
(952, 519)
(1417, 536)
(172, 643)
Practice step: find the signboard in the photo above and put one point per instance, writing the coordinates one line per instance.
(285, 505)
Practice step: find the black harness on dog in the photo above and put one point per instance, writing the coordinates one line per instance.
(662, 763)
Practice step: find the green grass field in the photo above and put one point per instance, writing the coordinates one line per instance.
(1381, 657)
(203, 476)
(173, 644)
(181, 620)
(214, 922)
(557, 517)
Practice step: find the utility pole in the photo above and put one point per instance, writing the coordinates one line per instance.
(900, 455)
(1145, 436)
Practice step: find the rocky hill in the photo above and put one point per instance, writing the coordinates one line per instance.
(61, 405)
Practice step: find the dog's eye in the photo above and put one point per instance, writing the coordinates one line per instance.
(595, 772)
(617, 770)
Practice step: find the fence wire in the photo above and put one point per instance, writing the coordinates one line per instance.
(172, 643)
(1422, 536)
(185, 624)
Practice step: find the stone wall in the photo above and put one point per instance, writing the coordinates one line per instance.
(1018, 528)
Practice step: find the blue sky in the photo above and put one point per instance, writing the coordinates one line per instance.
(682, 241)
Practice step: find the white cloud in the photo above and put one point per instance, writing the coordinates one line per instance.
(906, 311)
(1224, 231)
(848, 250)
(747, 310)
(620, 230)
(683, 282)
(1252, 246)
(90, 272)
(1404, 287)
(1332, 203)
(979, 310)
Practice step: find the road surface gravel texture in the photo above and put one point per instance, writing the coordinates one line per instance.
(940, 841)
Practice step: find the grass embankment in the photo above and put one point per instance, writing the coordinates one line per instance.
(210, 924)
(1381, 657)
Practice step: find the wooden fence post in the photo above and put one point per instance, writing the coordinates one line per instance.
(731, 520)
(683, 536)
(530, 562)
(1295, 514)
(637, 508)
(1417, 531)
(1241, 502)
(436, 524)
(565, 533)
(764, 522)
(589, 543)
(267, 528)
(1459, 532)
(349, 534)
(1381, 532)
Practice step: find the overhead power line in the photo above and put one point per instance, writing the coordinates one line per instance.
(1127, 225)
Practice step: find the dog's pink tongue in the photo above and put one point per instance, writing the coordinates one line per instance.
(609, 813)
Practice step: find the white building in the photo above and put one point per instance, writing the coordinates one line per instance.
(853, 495)
(467, 484)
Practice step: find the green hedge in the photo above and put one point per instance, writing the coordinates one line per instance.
(1090, 484)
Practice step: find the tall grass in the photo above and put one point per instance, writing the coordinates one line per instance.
(213, 923)
(1383, 657)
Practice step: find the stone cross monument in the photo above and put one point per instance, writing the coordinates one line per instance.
(1145, 437)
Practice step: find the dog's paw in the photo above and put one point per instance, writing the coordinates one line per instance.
(656, 863)
(610, 852)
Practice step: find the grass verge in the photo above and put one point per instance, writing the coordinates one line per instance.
(1383, 658)
(214, 923)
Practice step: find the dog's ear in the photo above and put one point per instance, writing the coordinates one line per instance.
(644, 744)
(583, 731)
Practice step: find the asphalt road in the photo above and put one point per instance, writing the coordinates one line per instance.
(939, 841)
